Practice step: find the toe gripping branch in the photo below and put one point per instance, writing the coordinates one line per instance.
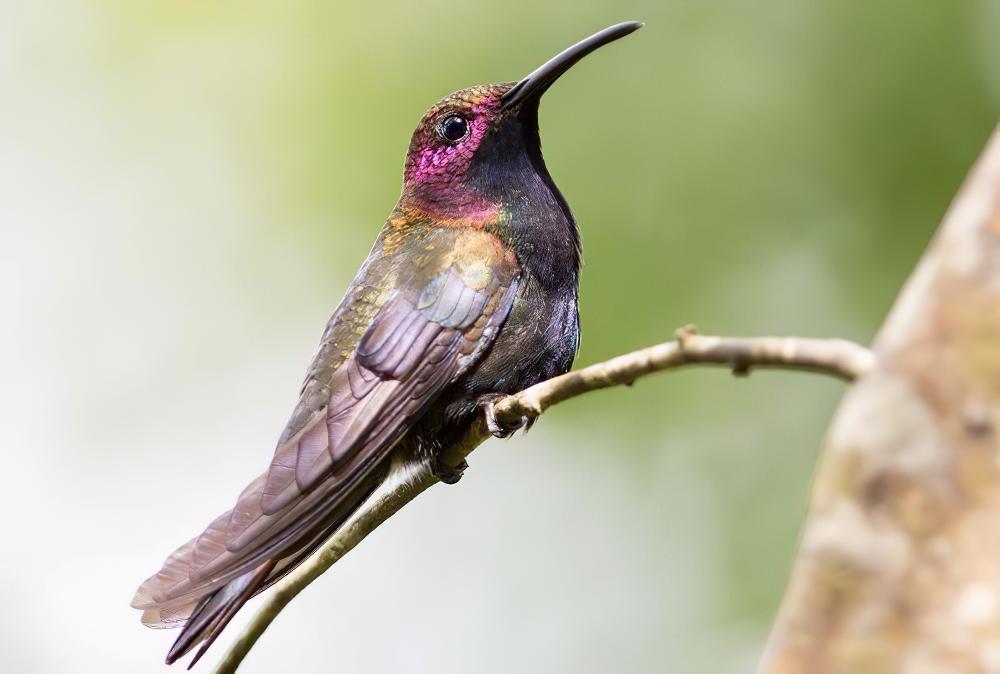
(452, 474)
(493, 425)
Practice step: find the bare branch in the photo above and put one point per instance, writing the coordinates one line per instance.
(835, 357)
(408, 477)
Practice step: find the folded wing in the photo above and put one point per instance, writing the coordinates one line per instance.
(358, 402)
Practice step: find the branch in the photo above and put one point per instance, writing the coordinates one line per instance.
(408, 476)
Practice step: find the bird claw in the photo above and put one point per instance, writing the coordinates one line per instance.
(448, 474)
(493, 425)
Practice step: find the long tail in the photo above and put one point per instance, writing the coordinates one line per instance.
(214, 612)
(204, 618)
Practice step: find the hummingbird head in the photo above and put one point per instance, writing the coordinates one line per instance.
(477, 150)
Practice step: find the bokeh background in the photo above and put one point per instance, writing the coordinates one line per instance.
(186, 188)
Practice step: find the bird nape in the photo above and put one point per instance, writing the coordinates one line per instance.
(469, 293)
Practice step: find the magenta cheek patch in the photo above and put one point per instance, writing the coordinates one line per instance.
(434, 163)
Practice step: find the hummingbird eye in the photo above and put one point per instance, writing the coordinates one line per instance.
(453, 128)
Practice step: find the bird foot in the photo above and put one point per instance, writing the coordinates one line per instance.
(493, 425)
(448, 474)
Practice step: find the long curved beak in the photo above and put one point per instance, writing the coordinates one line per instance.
(535, 84)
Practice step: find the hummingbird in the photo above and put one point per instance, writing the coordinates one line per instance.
(470, 293)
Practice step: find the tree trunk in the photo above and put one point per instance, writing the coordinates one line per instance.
(899, 565)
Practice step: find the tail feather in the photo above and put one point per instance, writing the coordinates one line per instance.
(214, 612)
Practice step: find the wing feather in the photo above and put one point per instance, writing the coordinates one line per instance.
(424, 336)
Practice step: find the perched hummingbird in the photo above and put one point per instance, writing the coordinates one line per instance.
(469, 293)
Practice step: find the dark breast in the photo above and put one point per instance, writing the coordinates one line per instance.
(538, 341)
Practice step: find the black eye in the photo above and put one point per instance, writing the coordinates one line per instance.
(453, 128)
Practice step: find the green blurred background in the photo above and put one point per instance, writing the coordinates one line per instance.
(186, 188)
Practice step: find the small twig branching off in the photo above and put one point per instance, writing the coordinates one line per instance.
(408, 477)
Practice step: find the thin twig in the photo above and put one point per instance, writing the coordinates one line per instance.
(408, 477)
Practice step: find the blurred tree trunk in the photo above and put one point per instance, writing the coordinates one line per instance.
(899, 565)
